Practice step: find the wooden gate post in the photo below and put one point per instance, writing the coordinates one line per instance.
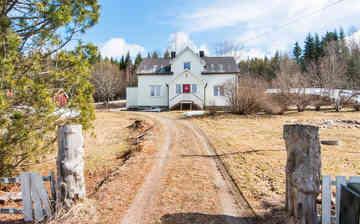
(303, 170)
(70, 166)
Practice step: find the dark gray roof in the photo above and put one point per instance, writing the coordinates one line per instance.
(214, 65)
(151, 66)
(220, 65)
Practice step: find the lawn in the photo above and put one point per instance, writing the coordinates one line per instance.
(254, 151)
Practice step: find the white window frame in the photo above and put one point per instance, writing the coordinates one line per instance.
(187, 63)
(192, 88)
(155, 90)
(178, 89)
(219, 90)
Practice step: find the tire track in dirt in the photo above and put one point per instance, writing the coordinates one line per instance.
(226, 196)
(185, 182)
(135, 214)
(244, 206)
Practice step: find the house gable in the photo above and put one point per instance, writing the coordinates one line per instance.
(187, 56)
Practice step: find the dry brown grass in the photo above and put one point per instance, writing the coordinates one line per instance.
(254, 151)
(105, 142)
(103, 147)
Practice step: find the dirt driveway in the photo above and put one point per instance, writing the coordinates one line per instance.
(186, 183)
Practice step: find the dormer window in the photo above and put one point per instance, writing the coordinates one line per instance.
(187, 65)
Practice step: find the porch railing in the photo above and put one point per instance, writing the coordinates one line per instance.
(186, 97)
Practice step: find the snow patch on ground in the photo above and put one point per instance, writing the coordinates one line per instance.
(194, 113)
(66, 113)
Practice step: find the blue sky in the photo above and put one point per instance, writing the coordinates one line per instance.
(254, 27)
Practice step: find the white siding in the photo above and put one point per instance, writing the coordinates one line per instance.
(187, 56)
(187, 78)
(216, 80)
(180, 76)
(144, 87)
(131, 97)
(145, 81)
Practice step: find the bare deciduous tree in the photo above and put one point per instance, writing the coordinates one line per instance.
(292, 86)
(353, 72)
(333, 67)
(247, 96)
(107, 80)
(332, 73)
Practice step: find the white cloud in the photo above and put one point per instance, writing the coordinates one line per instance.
(117, 47)
(180, 40)
(266, 13)
(263, 25)
(355, 37)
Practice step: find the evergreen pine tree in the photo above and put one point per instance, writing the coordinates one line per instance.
(318, 51)
(155, 55)
(122, 64)
(341, 34)
(128, 59)
(309, 49)
(167, 54)
(297, 52)
(138, 60)
(343, 49)
(336, 36)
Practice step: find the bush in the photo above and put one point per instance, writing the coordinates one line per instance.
(319, 101)
(280, 101)
(248, 97)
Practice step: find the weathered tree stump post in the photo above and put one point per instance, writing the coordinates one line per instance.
(303, 170)
(70, 166)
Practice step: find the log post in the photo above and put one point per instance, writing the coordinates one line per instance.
(70, 166)
(303, 170)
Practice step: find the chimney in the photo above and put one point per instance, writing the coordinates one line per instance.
(173, 54)
(202, 54)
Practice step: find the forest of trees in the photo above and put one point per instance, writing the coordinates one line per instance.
(311, 58)
(328, 62)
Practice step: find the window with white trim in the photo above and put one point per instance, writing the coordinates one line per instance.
(193, 88)
(178, 89)
(155, 90)
(219, 91)
(187, 65)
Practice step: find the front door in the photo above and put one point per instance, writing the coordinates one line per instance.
(186, 88)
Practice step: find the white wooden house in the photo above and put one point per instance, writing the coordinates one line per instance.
(187, 79)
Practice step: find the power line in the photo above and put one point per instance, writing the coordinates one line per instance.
(294, 20)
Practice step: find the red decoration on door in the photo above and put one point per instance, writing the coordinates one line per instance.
(186, 88)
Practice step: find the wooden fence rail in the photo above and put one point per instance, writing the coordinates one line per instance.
(36, 202)
(327, 183)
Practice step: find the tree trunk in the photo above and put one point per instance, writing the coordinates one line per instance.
(70, 166)
(357, 107)
(300, 108)
(303, 170)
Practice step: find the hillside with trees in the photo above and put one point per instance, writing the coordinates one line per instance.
(327, 62)
(318, 57)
